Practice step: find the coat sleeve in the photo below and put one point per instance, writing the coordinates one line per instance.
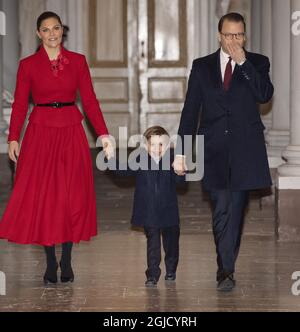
(180, 180)
(259, 80)
(191, 110)
(89, 100)
(20, 104)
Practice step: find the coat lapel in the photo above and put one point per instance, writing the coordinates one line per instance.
(43, 54)
(215, 70)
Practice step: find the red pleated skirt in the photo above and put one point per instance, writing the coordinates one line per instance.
(53, 200)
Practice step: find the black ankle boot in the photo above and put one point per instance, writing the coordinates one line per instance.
(50, 275)
(67, 274)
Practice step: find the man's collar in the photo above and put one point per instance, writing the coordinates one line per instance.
(224, 55)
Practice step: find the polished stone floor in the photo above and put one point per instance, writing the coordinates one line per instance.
(110, 269)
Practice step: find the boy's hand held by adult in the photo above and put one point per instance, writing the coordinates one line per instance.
(179, 165)
(108, 147)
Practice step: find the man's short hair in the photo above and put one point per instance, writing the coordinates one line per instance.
(232, 17)
(155, 131)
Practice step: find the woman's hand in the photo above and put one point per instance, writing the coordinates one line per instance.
(108, 147)
(13, 150)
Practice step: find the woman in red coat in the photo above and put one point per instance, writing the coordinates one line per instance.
(53, 200)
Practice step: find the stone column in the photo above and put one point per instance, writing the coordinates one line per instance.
(75, 21)
(266, 49)
(59, 7)
(11, 49)
(266, 28)
(256, 20)
(29, 11)
(11, 52)
(3, 124)
(288, 180)
(201, 30)
(278, 136)
(212, 26)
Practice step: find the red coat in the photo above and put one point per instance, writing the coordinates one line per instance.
(35, 76)
(53, 200)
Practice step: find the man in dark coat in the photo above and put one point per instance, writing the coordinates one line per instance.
(225, 90)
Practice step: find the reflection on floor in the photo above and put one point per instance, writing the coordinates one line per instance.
(110, 269)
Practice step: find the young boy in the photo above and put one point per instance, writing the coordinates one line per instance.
(155, 206)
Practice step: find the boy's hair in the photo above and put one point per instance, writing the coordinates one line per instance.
(231, 17)
(155, 130)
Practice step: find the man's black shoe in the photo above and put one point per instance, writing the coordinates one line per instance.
(226, 284)
(170, 277)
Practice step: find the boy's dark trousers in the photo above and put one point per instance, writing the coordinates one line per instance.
(170, 239)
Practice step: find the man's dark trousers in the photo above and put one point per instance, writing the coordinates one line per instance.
(228, 219)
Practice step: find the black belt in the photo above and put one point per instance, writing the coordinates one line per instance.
(56, 104)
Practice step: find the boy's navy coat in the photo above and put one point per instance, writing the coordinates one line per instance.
(234, 147)
(155, 199)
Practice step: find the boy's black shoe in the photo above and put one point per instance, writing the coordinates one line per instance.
(170, 277)
(151, 282)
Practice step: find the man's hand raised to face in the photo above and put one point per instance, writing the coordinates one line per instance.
(236, 51)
